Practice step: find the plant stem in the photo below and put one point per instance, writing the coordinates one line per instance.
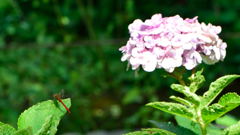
(177, 77)
(195, 100)
(200, 121)
(203, 129)
(181, 81)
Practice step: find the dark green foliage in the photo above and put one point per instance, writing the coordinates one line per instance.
(92, 73)
(97, 82)
(51, 21)
(151, 131)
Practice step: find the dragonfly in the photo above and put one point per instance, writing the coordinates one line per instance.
(58, 97)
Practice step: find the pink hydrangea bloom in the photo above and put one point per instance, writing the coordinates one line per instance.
(170, 42)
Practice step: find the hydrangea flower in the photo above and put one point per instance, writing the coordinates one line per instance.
(170, 42)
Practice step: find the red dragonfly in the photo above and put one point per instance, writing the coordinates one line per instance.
(58, 97)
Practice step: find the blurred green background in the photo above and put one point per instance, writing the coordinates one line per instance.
(49, 45)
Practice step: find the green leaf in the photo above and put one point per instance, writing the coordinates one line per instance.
(47, 128)
(226, 120)
(195, 128)
(181, 100)
(216, 87)
(188, 124)
(213, 130)
(1, 123)
(6, 129)
(173, 108)
(37, 116)
(196, 80)
(26, 131)
(225, 104)
(178, 87)
(151, 131)
(186, 91)
(233, 130)
(230, 97)
(172, 128)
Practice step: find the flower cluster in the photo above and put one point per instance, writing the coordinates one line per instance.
(170, 42)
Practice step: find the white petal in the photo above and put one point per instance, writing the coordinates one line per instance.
(125, 57)
(217, 53)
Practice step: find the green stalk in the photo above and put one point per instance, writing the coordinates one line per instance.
(203, 129)
(178, 78)
(197, 108)
(200, 120)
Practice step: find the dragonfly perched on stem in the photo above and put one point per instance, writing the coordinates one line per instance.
(58, 97)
